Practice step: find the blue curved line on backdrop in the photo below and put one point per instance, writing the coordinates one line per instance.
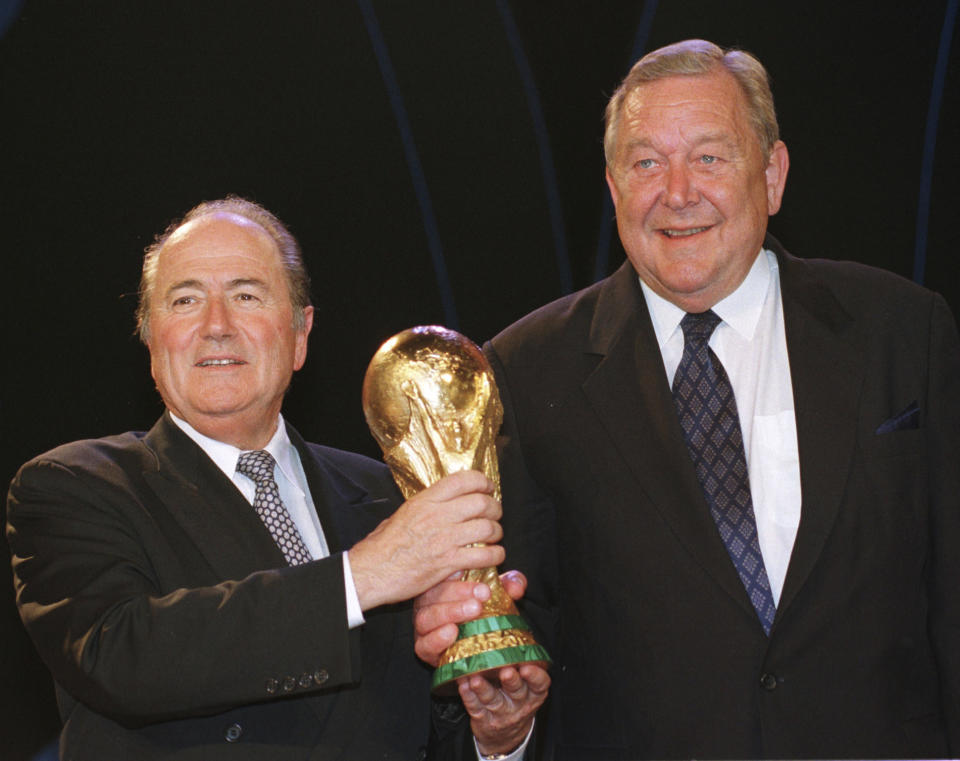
(417, 174)
(9, 12)
(547, 166)
(930, 142)
(602, 261)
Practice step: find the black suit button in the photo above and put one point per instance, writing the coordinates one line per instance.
(306, 680)
(272, 686)
(320, 676)
(768, 682)
(232, 733)
(289, 683)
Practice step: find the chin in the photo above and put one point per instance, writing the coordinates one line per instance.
(689, 280)
(221, 404)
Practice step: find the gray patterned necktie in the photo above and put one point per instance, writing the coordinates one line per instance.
(708, 415)
(258, 465)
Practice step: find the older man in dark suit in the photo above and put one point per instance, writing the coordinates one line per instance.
(217, 587)
(730, 475)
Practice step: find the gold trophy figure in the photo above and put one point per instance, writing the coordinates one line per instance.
(432, 404)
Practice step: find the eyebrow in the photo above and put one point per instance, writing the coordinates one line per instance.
(709, 137)
(716, 137)
(242, 282)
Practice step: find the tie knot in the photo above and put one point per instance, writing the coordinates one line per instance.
(257, 465)
(698, 327)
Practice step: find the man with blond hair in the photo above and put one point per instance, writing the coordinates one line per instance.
(730, 475)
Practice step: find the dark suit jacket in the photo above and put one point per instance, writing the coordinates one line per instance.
(174, 628)
(658, 650)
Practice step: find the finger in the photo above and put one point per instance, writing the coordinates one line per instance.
(456, 484)
(424, 514)
(452, 589)
(512, 684)
(466, 506)
(515, 583)
(429, 647)
(536, 677)
(478, 695)
(476, 530)
(431, 617)
(488, 556)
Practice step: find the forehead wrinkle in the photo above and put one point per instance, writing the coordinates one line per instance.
(714, 136)
(246, 282)
(181, 284)
(237, 282)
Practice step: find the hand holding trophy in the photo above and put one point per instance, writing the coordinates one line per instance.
(431, 401)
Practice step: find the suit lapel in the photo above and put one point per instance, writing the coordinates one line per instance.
(207, 505)
(628, 390)
(347, 511)
(826, 368)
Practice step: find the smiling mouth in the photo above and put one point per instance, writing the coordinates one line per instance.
(684, 233)
(219, 362)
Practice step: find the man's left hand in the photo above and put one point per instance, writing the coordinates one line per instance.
(501, 716)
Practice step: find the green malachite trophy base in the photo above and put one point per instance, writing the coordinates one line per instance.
(445, 676)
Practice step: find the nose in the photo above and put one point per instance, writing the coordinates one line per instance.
(680, 190)
(217, 320)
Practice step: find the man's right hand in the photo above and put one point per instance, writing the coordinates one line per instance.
(501, 710)
(428, 539)
(438, 611)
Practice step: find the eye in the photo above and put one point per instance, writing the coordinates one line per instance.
(183, 301)
(645, 163)
(247, 299)
(708, 159)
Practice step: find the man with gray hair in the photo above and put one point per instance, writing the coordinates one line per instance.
(217, 587)
(730, 475)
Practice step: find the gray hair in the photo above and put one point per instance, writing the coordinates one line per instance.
(690, 58)
(291, 257)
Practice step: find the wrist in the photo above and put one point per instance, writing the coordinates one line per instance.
(486, 754)
(517, 749)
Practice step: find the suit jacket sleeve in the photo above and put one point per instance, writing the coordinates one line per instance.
(130, 617)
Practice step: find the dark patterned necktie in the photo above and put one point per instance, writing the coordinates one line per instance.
(708, 415)
(258, 465)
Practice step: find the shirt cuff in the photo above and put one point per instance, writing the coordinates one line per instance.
(516, 755)
(354, 613)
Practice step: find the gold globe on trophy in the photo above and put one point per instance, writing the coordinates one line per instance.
(432, 404)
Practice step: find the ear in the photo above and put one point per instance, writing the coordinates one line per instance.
(612, 184)
(300, 347)
(776, 172)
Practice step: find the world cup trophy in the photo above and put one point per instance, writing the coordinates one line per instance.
(431, 401)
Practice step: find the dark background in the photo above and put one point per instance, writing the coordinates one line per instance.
(440, 162)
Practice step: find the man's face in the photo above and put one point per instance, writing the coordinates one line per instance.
(221, 337)
(692, 188)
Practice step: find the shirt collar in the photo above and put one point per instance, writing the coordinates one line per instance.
(226, 455)
(740, 310)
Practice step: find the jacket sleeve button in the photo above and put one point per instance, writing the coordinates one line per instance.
(768, 682)
(320, 676)
(289, 683)
(272, 686)
(306, 680)
(232, 733)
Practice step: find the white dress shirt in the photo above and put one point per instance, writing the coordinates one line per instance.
(751, 344)
(294, 491)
